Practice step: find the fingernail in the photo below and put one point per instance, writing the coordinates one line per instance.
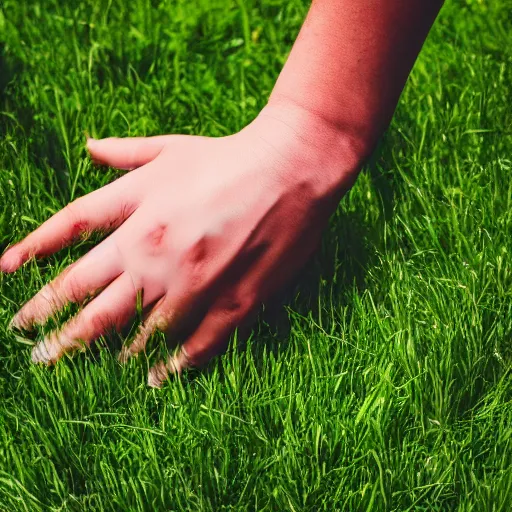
(153, 381)
(124, 355)
(182, 361)
(174, 365)
(157, 375)
(40, 353)
(15, 322)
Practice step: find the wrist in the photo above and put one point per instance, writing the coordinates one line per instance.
(336, 152)
(322, 123)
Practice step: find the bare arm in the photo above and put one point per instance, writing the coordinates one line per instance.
(220, 225)
(351, 60)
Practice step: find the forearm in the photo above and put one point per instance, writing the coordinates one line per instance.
(350, 63)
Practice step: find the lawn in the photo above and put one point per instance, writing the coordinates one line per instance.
(382, 381)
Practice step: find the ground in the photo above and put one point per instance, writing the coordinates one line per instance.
(383, 382)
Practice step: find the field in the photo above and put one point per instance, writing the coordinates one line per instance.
(382, 382)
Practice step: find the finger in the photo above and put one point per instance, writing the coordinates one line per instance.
(212, 335)
(163, 317)
(111, 308)
(183, 308)
(126, 153)
(174, 365)
(84, 278)
(106, 208)
(209, 339)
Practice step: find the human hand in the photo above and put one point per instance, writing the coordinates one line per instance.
(214, 223)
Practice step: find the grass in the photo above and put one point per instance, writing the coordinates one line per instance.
(383, 383)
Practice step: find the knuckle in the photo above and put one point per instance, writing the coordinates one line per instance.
(231, 306)
(99, 322)
(48, 296)
(73, 289)
(197, 252)
(239, 306)
(135, 289)
(127, 209)
(134, 155)
(89, 324)
(194, 263)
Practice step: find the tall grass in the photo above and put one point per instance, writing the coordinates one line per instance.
(382, 383)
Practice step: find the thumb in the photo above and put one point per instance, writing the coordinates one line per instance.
(126, 153)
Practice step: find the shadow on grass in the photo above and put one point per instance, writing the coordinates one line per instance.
(18, 120)
(5, 72)
(342, 262)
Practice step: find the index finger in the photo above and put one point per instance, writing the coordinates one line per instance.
(105, 208)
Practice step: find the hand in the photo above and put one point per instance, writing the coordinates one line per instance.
(213, 223)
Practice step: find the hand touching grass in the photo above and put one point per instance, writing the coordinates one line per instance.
(219, 225)
(199, 224)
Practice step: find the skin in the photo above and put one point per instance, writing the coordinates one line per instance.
(207, 229)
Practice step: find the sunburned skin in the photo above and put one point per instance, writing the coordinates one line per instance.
(220, 225)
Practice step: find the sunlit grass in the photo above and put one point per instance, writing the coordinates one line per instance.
(383, 384)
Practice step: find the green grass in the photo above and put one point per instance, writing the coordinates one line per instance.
(383, 384)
